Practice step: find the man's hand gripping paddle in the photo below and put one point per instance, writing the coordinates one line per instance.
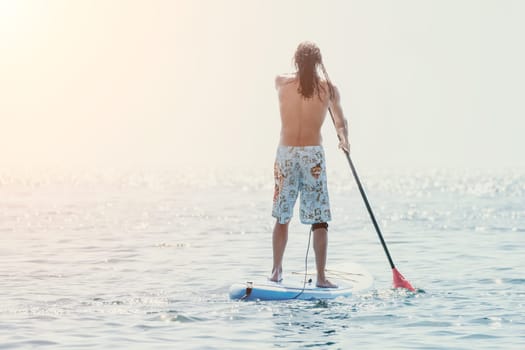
(398, 280)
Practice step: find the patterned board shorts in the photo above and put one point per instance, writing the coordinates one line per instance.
(301, 170)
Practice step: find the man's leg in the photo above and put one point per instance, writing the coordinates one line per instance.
(320, 248)
(279, 240)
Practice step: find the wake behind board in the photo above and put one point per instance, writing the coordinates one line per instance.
(350, 278)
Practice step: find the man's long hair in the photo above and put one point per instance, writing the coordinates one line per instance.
(307, 61)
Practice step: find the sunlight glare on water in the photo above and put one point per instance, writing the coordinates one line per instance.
(140, 261)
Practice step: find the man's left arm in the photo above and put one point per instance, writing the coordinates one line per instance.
(340, 122)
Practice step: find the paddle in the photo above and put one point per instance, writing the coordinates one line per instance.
(399, 280)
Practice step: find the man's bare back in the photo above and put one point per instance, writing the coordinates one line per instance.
(301, 118)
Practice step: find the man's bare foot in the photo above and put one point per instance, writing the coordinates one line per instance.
(277, 276)
(325, 284)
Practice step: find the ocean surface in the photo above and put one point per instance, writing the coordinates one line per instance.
(144, 260)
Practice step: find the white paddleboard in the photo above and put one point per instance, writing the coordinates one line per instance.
(350, 278)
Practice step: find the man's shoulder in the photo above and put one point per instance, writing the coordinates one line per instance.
(325, 83)
(284, 78)
(330, 86)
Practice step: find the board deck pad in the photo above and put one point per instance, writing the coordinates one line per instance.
(350, 278)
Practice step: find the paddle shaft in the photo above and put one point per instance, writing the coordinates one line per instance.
(365, 199)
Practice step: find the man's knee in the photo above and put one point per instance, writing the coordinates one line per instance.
(285, 224)
(320, 225)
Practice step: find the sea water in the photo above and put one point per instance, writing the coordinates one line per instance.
(144, 260)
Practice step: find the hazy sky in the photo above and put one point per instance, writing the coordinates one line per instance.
(97, 83)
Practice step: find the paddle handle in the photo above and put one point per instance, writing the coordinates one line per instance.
(365, 199)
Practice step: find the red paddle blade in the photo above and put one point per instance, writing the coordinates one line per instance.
(400, 281)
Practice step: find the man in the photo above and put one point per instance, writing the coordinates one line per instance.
(300, 168)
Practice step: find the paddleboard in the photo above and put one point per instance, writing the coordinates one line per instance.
(350, 278)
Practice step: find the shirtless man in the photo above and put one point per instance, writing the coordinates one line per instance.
(304, 99)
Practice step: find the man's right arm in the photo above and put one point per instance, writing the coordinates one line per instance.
(340, 122)
(279, 80)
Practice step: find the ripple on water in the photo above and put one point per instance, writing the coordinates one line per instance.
(175, 316)
(28, 344)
